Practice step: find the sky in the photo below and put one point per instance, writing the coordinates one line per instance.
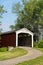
(9, 17)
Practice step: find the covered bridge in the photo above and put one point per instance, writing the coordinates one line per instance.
(22, 37)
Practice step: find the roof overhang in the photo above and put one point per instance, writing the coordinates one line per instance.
(24, 30)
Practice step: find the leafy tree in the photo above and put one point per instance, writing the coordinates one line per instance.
(30, 15)
(12, 27)
(2, 11)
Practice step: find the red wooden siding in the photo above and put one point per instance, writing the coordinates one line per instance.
(8, 39)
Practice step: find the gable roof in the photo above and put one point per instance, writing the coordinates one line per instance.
(24, 30)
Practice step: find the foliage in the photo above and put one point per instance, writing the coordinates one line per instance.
(35, 44)
(12, 27)
(2, 11)
(17, 8)
(30, 15)
(4, 49)
(40, 45)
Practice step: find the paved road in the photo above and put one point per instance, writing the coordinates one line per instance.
(32, 53)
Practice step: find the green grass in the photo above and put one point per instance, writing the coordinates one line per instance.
(36, 61)
(41, 49)
(12, 54)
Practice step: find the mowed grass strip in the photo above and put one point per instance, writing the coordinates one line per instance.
(36, 61)
(12, 54)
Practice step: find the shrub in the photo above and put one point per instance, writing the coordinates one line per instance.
(40, 45)
(35, 44)
(4, 49)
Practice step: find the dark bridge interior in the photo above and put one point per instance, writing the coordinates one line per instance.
(24, 40)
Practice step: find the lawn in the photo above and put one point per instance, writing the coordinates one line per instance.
(12, 54)
(36, 61)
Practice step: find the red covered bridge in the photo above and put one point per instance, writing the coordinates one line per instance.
(22, 37)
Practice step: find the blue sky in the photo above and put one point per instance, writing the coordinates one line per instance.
(8, 18)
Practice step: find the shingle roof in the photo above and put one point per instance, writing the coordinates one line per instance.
(8, 32)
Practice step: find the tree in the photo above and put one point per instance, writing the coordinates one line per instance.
(2, 11)
(30, 15)
(12, 27)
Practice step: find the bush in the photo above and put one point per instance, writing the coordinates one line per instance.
(40, 45)
(35, 44)
(4, 49)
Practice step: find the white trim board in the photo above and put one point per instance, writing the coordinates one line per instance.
(23, 30)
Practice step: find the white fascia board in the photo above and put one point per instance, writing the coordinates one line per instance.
(17, 32)
(24, 30)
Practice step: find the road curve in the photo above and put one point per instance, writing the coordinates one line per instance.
(32, 53)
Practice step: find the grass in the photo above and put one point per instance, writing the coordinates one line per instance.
(12, 54)
(41, 49)
(36, 61)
